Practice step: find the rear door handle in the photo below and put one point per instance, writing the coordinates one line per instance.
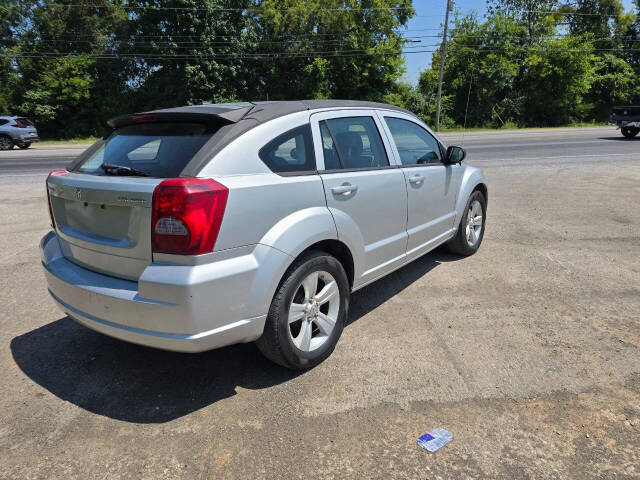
(344, 189)
(417, 178)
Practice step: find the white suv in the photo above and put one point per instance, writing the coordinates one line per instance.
(197, 227)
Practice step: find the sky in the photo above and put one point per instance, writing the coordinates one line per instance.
(428, 22)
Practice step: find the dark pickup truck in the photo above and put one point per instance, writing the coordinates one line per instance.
(627, 119)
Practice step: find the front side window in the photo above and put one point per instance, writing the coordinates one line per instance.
(415, 145)
(153, 149)
(291, 152)
(352, 143)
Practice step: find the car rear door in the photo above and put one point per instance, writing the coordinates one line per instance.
(432, 186)
(364, 188)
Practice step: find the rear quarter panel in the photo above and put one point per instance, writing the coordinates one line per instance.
(286, 213)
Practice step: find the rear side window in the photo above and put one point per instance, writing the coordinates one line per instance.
(291, 152)
(352, 143)
(3, 122)
(415, 145)
(157, 149)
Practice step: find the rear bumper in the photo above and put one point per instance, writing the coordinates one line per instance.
(26, 139)
(187, 308)
(238, 332)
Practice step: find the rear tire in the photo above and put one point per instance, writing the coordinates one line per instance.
(5, 142)
(24, 146)
(630, 132)
(469, 237)
(307, 313)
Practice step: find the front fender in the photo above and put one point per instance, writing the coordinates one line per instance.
(471, 178)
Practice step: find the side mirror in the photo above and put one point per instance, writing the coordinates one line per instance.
(455, 155)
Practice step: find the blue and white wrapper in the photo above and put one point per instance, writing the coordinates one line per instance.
(435, 439)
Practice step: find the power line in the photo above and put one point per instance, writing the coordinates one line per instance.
(580, 14)
(411, 39)
(145, 56)
(284, 55)
(216, 42)
(236, 9)
(276, 36)
(305, 10)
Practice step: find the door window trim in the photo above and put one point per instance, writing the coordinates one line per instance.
(352, 170)
(374, 114)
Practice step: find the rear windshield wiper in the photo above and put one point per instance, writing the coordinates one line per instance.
(122, 170)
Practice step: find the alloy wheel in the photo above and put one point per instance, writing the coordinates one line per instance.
(5, 143)
(314, 311)
(474, 223)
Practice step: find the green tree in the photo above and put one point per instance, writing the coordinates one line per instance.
(612, 32)
(189, 51)
(557, 75)
(330, 48)
(480, 79)
(65, 89)
(604, 19)
(614, 83)
(11, 13)
(533, 15)
(58, 91)
(495, 77)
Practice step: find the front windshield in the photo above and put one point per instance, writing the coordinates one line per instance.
(155, 149)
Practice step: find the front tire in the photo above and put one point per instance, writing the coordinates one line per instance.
(307, 313)
(5, 142)
(24, 146)
(471, 228)
(630, 132)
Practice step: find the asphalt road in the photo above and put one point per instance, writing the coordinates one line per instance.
(37, 159)
(528, 351)
(486, 148)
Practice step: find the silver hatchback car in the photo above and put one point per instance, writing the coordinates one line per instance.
(197, 227)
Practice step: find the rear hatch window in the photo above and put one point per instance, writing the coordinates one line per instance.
(152, 149)
(25, 122)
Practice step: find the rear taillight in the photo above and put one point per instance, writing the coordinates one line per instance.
(55, 173)
(187, 214)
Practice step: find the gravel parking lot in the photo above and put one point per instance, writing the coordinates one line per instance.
(529, 351)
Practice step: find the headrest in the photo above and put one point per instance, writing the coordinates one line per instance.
(350, 143)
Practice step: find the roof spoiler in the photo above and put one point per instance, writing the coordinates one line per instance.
(211, 115)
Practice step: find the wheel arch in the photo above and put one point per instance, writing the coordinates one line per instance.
(337, 249)
(473, 180)
(482, 188)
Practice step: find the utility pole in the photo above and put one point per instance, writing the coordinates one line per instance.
(443, 51)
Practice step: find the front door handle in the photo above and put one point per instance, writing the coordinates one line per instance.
(344, 189)
(416, 179)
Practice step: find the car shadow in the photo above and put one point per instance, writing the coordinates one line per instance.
(621, 138)
(138, 384)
